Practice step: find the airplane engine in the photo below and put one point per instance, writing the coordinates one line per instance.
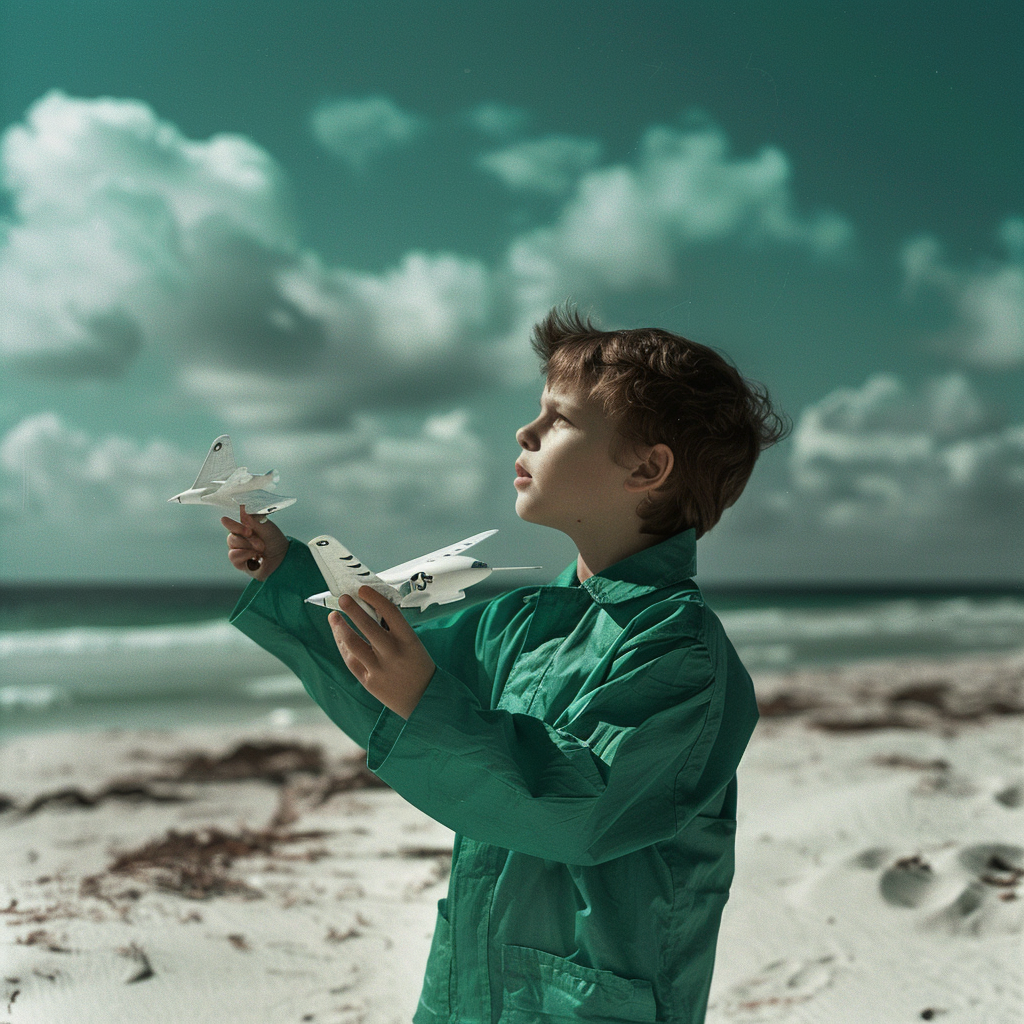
(443, 584)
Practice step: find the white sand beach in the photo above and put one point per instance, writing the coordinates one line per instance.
(258, 875)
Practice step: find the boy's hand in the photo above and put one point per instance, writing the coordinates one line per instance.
(255, 548)
(391, 663)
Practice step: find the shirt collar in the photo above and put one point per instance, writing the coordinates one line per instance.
(653, 568)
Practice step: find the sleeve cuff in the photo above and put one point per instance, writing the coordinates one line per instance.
(292, 577)
(429, 723)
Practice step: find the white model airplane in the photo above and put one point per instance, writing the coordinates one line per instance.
(438, 578)
(222, 483)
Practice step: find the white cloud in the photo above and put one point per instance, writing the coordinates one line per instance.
(988, 300)
(123, 227)
(72, 152)
(359, 131)
(60, 474)
(624, 224)
(126, 234)
(497, 121)
(885, 482)
(886, 459)
(55, 473)
(426, 304)
(437, 470)
(550, 165)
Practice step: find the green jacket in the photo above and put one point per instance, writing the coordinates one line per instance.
(582, 742)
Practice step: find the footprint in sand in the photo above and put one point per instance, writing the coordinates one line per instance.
(970, 892)
(1011, 796)
(990, 901)
(908, 882)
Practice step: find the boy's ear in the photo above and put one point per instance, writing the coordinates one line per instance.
(653, 469)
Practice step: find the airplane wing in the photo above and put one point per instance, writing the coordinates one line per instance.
(344, 573)
(262, 503)
(219, 464)
(400, 573)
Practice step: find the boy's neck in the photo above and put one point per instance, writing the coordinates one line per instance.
(594, 558)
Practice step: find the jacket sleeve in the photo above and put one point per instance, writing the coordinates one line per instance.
(275, 615)
(574, 795)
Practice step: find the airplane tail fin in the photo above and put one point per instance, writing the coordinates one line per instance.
(219, 464)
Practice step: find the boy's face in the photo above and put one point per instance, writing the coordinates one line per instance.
(567, 478)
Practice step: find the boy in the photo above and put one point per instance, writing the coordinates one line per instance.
(581, 738)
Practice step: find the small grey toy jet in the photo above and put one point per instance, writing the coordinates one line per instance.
(225, 485)
(438, 578)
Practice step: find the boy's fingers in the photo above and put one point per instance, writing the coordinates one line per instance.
(241, 560)
(346, 636)
(381, 605)
(374, 632)
(390, 617)
(231, 526)
(236, 540)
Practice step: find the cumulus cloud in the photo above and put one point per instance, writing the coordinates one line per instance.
(550, 165)
(59, 473)
(54, 472)
(987, 300)
(624, 224)
(436, 471)
(360, 131)
(887, 459)
(123, 229)
(498, 121)
(127, 234)
(423, 306)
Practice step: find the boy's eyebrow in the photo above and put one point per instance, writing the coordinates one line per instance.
(557, 401)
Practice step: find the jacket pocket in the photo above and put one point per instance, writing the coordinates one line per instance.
(435, 998)
(540, 988)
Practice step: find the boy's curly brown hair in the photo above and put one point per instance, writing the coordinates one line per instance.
(661, 388)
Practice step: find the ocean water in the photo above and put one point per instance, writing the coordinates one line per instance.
(163, 657)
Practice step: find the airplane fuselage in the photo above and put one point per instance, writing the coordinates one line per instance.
(221, 492)
(443, 582)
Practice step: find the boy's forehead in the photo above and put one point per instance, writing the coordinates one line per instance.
(561, 394)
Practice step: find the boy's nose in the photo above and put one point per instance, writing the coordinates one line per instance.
(526, 439)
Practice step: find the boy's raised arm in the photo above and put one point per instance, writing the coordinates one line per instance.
(275, 614)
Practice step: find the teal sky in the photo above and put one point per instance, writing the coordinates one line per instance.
(327, 228)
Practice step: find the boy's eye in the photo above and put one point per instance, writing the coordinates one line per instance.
(554, 415)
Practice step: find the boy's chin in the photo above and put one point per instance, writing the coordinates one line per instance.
(527, 513)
